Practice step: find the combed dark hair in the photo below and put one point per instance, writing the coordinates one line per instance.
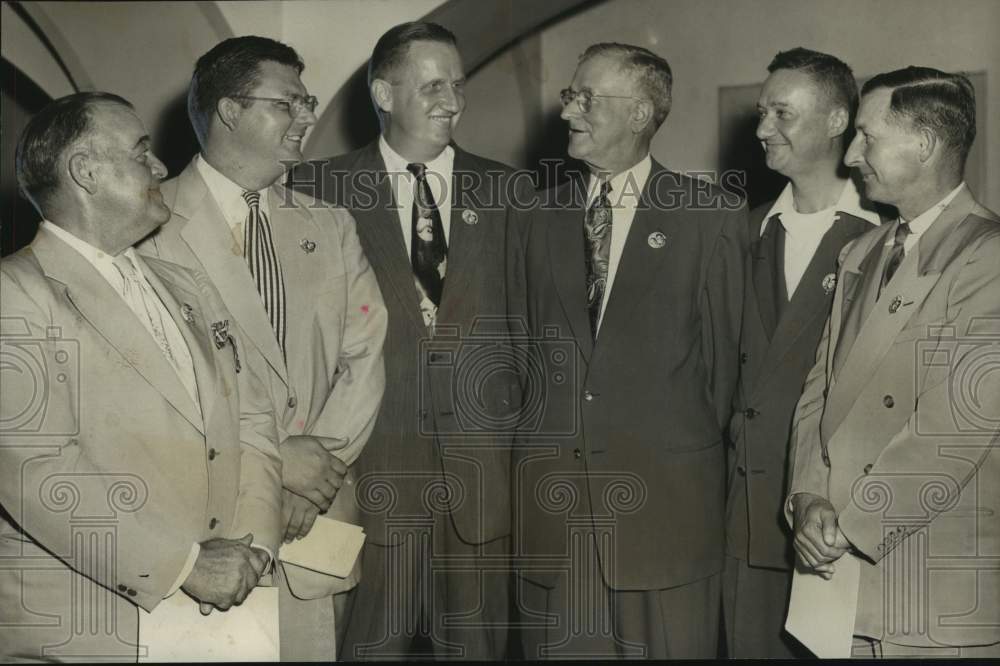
(48, 135)
(928, 97)
(650, 70)
(830, 73)
(231, 68)
(391, 48)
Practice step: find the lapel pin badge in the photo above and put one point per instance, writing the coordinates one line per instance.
(656, 240)
(829, 283)
(307, 245)
(220, 333)
(187, 312)
(470, 216)
(894, 306)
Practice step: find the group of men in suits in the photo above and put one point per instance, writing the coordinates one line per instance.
(612, 410)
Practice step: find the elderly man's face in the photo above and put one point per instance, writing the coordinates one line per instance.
(267, 131)
(794, 125)
(428, 98)
(129, 187)
(884, 150)
(602, 137)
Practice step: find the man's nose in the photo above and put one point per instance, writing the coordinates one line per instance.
(765, 126)
(853, 155)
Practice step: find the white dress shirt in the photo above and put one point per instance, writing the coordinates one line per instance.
(403, 182)
(923, 222)
(229, 196)
(626, 190)
(805, 231)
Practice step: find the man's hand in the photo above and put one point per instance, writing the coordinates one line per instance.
(298, 515)
(307, 469)
(225, 572)
(818, 540)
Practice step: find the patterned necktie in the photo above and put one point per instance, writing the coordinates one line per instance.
(265, 269)
(146, 305)
(428, 247)
(597, 250)
(896, 255)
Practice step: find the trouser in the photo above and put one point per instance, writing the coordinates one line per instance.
(869, 648)
(581, 618)
(755, 603)
(433, 596)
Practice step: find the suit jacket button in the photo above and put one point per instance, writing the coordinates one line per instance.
(122, 587)
(888, 401)
(292, 402)
(131, 593)
(588, 396)
(750, 412)
(577, 453)
(744, 357)
(212, 523)
(826, 457)
(868, 468)
(211, 454)
(825, 391)
(741, 470)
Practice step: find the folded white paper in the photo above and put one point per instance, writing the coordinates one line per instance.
(177, 631)
(821, 612)
(331, 547)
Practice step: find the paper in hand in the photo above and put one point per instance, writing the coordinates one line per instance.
(331, 547)
(821, 612)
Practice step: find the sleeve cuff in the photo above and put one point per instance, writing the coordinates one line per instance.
(186, 570)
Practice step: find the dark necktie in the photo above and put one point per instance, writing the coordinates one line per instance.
(265, 269)
(428, 247)
(780, 289)
(597, 250)
(896, 255)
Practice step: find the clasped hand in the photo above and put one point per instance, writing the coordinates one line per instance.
(225, 572)
(309, 470)
(818, 539)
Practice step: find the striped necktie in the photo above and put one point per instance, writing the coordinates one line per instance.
(265, 269)
(896, 255)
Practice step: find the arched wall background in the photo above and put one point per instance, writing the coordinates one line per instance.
(145, 51)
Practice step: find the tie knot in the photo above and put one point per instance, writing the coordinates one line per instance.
(418, 169)
(252, 199)
(902, 231)
(125, 266)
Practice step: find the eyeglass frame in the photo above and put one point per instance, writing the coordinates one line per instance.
(303, 102)
(578, 95)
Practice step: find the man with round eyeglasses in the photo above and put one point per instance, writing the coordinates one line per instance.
(292, 272)
(643, 269)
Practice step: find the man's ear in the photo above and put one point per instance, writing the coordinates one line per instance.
(928, 143)
(83, 170)
(381, 91)
(642, 116)
(836, 122)
(229, 111)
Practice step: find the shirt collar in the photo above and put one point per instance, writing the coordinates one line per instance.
(98, 258)
(626, 187)
(849, 203)
(922, 222)
(227, 194)
(396, 163)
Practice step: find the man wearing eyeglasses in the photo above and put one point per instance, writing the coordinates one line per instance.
(643, 269)
(434, 220)
(292, 272)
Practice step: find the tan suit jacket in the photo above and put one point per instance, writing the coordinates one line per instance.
(331, 382)
(897, 427)
(108, 470)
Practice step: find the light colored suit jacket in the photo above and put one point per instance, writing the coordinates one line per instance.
(897, 427)
(108, 471)
(331, 382)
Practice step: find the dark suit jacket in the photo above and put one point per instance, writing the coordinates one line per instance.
(630, 440)
(457, 390)
(775, 357)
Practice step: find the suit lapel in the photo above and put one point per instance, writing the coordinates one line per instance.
(564, 229)
(466, 242)
(860, 289)
(915, 278)
(379, 223)
(763, 276)
(107, 312)
(205, 231)
(196, 334)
